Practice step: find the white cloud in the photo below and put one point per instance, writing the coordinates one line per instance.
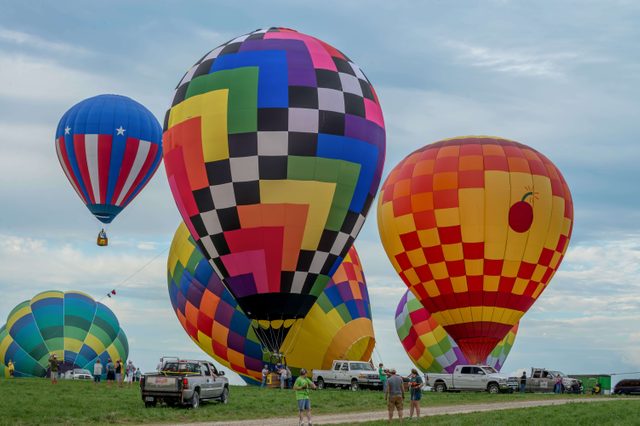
(25, 39)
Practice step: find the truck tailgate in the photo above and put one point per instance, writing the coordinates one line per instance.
(161, 384)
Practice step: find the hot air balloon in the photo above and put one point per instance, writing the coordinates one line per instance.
(274, 147)
(338, 325)
(109, 148)
(476, 228)
(429, 346)
(70, 324)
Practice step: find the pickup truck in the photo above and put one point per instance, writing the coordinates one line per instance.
(351, 374)
(543, 380)
(184, 382)
(470, 378)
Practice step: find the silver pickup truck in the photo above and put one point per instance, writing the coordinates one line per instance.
(184, 382)
(471, 378)
(352, 374)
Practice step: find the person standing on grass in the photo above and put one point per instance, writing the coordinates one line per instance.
(557, 388)
(523, 382)
(265, 374)
(383, 377)
(131, 369)
(138, 374)
(11, 368)
(119, 372)
(111, 372)
(394, 394)
(97, 371)
(283, 378)
(289, 378)
(54, 365)
(301, 386)
(415, 390)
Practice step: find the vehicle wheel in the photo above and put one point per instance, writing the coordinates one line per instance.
(320, 383)
(354, 385)
(440, 387)
(149, 404)
(224, 398)
(195, 400)
(493, 388)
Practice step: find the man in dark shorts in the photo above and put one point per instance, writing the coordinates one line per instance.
(415, 389)
(111, 372)
(53, 368)
(394, 394)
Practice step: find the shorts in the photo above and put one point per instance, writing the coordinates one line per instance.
(118, 377)
(416, 396)
(395, 401)
(304, 404)
(54, 375)
(111, 375)
(97, 377)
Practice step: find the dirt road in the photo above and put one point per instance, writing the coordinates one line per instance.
(426, 411)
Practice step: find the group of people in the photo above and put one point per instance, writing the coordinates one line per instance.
(117, 372)
(393, 387)
(283, 372)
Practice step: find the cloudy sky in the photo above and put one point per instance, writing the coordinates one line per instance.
(560, 76)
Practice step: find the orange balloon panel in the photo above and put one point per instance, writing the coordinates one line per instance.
(476, 227)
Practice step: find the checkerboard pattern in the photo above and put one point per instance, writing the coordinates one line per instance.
(274, 147)
(338, 326)
(429, 346)
(450, 217)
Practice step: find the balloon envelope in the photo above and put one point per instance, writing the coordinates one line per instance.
(109, 148)
(274, 147)
(430, 347)
(476, 227)
(70, 324)
(338, 325)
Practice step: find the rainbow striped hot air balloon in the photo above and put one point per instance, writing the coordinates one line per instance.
(338, 325)
(274, 147)
(476, 227)
(70, 324)
(430, 347)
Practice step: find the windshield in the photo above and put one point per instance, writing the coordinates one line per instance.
(557, 373)
(489, 370)
(361, 366)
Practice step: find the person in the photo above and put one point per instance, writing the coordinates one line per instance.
(11, 368)
(54, 365)
(383, 377)
(597, 388)
(138, 374)
(265, 374)
(283, 377)
(301, 386)
(97, 371)
(111, 372)
(415, 391)
(394, 394)
(119, 372)
(289, 378)
(523, 382)
(557, 388)
(131, 370)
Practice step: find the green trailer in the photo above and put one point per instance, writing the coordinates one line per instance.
(589, 381)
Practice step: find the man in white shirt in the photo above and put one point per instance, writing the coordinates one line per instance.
(97, 371)
(265, 373)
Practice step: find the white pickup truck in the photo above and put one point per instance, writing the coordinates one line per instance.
(470, 378)
(352, 374)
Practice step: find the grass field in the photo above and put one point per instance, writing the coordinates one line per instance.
(36, 401)
(621, 413)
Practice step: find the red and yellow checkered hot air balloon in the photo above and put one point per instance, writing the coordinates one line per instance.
(476, 227)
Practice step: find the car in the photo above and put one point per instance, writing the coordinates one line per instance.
(184, 382)
(627, 387)
(543, 380)
(469, 378)
(78, 374)
(351, 374)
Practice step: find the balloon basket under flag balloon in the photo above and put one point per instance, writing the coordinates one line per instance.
(102, 240)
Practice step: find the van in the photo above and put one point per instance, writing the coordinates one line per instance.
(627, 387)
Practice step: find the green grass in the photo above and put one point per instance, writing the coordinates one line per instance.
(36, 401)
(599, 413)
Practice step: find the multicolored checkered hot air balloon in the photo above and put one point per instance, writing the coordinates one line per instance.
(109, 148)
(338, 325)
(476, 228)
(70, 324)
(429, 346)
(274, 147)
